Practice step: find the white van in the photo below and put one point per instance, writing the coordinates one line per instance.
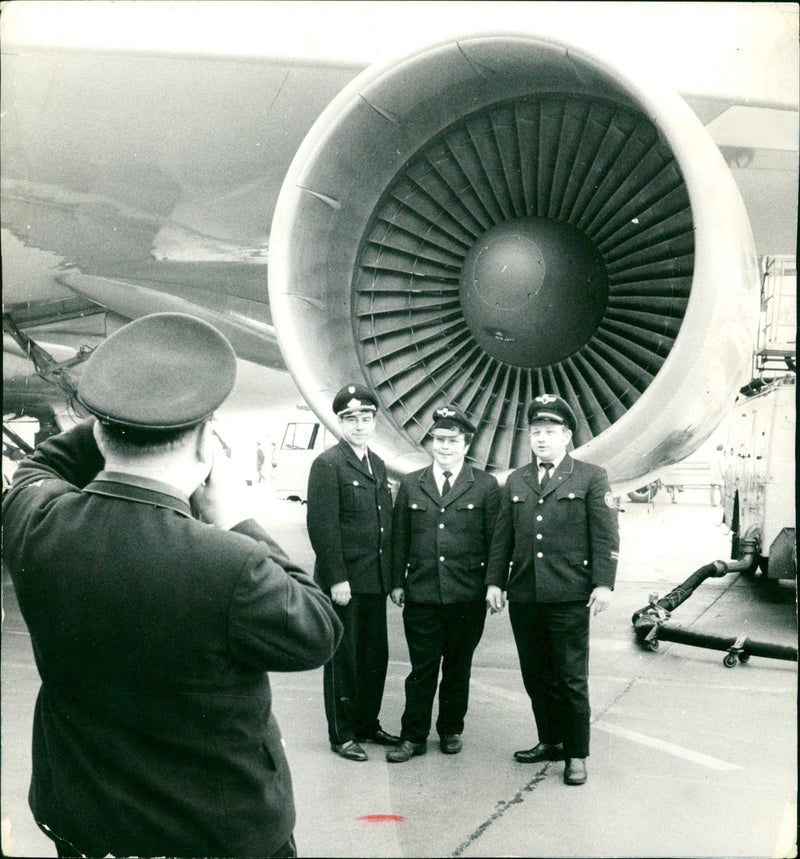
(304, 438)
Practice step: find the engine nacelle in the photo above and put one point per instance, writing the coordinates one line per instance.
(501, 216)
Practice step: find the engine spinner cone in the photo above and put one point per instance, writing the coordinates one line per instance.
(518, 280)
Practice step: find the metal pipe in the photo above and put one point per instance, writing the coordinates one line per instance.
(651, 624)
(740, 646)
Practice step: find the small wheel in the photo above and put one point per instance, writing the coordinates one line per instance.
(652, 644)
(744, 657)
(730, 660)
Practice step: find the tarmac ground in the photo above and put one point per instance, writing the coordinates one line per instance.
(689, 758)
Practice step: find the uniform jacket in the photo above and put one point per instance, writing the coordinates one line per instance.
(349, 519)
(153, 633)
(441, 547)
(556, 545)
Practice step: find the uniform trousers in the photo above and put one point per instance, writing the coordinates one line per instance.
(446, 634)
(354, 678)
(553, 645)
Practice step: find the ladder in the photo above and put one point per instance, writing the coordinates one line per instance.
(776, 347)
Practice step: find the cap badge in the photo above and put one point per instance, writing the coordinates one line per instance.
(354, 403)
(444, 412)
(351, 389)
(546, 399)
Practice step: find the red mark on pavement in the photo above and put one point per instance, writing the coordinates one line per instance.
(380, 818)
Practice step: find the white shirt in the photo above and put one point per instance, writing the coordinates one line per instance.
(362, 458)
(556, 463)
(438, 475)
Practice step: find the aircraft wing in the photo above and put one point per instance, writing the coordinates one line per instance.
(145, 182)
(137, 181)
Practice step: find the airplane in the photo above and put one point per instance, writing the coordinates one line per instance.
(477, 202)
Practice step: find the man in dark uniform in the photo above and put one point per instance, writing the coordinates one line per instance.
(554, 557)
(349, 518)
(442, 530)
(156, 606)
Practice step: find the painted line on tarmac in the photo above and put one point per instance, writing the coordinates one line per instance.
(664, 746)
(610, 644)
(493, 692)
(634, 736)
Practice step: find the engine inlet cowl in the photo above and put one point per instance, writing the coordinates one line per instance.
(503, 216)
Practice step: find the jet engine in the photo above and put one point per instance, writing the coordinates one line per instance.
(500, 216)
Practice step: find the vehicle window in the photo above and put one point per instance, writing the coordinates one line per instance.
(300, 436)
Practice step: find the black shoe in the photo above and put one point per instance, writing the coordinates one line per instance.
(575, 771)
(349, 750)
(540, 752)
(381, 737)
(405, 751)
(450, 744)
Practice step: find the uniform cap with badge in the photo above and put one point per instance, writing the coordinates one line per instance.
(353, 400)
(451, 417)
(162, 372)
(548, 407)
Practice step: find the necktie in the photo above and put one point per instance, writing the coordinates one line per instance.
(546, 476)
(446, 484)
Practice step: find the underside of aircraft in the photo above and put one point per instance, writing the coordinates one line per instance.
(489, 217)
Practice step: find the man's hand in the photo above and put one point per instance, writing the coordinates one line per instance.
(600, 599)
(340, 593)
(220, 499)
(495, 599)
(398, 596)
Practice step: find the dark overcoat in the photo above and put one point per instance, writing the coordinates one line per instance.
(558, 544)
(153, 633)
(349, 519)
(441, 547)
